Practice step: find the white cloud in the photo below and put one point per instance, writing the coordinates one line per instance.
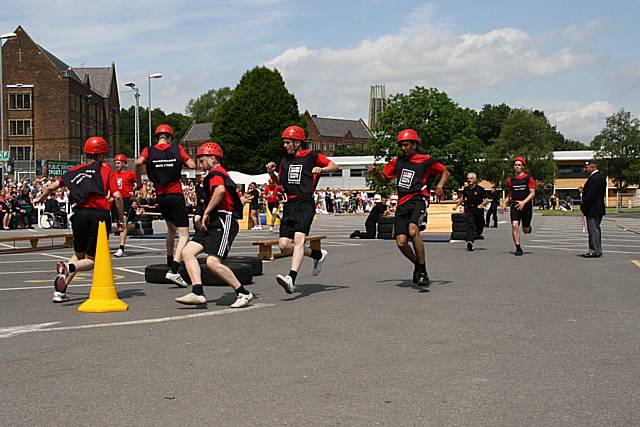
(579, 120)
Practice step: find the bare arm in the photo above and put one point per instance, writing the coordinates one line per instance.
(440, 187)
(190, 164)
(216, 197)
(521, 204)
(380, 176)
(331, 167)
(271, 169)
(48, 190)
(140, 162)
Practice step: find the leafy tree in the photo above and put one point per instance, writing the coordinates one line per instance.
(568, 145)
(448, 132)
(250, 124)
(490, 120)
(524, 133)
(618, 145)
(179, 122)
(350, 150)
(203, 108)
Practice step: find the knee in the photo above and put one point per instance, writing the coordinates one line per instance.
(285, 244)
(401, 241)
(213, 262)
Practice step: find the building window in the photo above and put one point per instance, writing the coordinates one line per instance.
(331, 147)
(20, 153)
(338, 173)
(20, 127)
(571, 171)
(19, 101)
(357, 172)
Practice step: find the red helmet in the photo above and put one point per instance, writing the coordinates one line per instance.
(520, 158)
(120, 157)
(210, 149)
(270, 181)
(294, 132)
(163, 129)
(408, 135)
(95, 145)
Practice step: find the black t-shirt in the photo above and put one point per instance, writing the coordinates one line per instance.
(376, 212)
(473, 197)
(254, 201)
(494, 197)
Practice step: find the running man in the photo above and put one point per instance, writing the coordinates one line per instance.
(216, 226)
(126, 180)
(412, 172)
(521, 189)
(298, 174)
(271, 197)
(90, 185)
(472, 197)
(164, 163)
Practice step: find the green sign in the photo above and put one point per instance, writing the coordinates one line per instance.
(57, 168)
(4, 156)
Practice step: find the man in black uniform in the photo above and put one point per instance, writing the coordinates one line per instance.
(593, 207)
(521, 189)
(379, 209)
(494, 202)
(472, 197)
(298, 173)
(412, 172)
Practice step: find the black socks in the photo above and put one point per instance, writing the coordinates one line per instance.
(242, 290)
(421, 267)
(316, 254)
(197, 289)
(293, 275)
(169, 260)
(175, 266)
(122, 248)
(72, 268)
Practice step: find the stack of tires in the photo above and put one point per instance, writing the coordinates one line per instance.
(385, 228)
(147, 224)
(458, 226)
(244, 267)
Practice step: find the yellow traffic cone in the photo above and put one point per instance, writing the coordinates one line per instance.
(103, 297)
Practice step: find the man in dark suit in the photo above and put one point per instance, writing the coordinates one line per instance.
(593, 208)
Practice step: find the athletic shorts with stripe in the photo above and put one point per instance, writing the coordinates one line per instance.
(297, 216)
(219, 235)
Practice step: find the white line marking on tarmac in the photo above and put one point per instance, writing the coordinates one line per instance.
(128, 270)
(15, 330)
(142, 247)
(579, 250)
(84, 285)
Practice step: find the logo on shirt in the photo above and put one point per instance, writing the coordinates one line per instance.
(119, 182)
(295, 174)
(406, 178)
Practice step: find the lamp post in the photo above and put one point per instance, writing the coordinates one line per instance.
(3, 37)
(151, 76)
(136, 138)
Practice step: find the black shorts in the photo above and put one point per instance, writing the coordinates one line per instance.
(219, 236)
(272, 206)
(129, 214)
(412, 212)
(297, 216)
(84, 224)
(523, 216)
(174, 209)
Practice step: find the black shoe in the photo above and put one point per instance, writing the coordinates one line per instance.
(416, 272)
(470, 246)
(423, 280)
(590, 255)
(495, 226)
(519, 252)
(480, 237)
(353, 235)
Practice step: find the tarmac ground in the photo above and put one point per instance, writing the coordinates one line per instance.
(549, 338)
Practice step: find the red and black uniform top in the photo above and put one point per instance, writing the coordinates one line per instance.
(412, 175)
(518, 187)
(231, 202)
(126, 180)
(164, 165)
(89, 185)
(296, 176)
(271, 193)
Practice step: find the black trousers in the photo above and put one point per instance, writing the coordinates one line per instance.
(595, 235)
(369, 234)
(475, 223)
(492, 212)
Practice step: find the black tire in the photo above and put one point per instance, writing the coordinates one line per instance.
(155, 274)
(253, 261)
(459, 227)
(385, 236)
(458, 217)
(385, 228)
(386, 220)
(458, 236)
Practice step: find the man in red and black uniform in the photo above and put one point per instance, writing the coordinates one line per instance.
(164, 162)
(271, 197)
(90, 185)
(216, 223)
(521, 189)
(126, 180)
(298, 174)
(412, 172)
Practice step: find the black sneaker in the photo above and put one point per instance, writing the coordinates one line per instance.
(423, 280)
(480, 237)
(416, 272)
(469, 246)
(519, 252)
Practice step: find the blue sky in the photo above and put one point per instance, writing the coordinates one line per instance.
(579, 61)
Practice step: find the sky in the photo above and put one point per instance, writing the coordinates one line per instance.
(579, 61)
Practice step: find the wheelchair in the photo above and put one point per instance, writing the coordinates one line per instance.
(52, 220)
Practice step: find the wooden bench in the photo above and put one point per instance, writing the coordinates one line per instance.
(265, 251)
(35, 240)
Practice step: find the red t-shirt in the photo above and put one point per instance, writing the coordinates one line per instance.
(271, 193)
(126, 180)
(172, 187)
(94, 200)
(226, 204)
(436, 168)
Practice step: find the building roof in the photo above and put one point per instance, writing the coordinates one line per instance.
(573, 155)
(197, 132)
(341, 127)
(62, 67)
(99, 79)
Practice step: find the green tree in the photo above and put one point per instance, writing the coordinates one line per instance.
(349, 150)
(490, 120)
(249, 125)
(524, 133)
(448, 132)
(178, 121)
(618, 145)
(203, 108)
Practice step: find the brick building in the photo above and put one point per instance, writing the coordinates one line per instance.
(197, 135)
(51, 108)
(327, 134)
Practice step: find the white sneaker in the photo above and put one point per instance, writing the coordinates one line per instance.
(119, 253)
(60, 297)
(317, 265)
(259, 227)
(176, 278)
(270, 228)
(242, 300)
(286, 282)
(192, 299)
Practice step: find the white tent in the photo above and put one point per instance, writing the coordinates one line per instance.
(243, 178)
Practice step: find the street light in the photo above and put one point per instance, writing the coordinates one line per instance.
(151, 76)
(136, 143)
(3, 37)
